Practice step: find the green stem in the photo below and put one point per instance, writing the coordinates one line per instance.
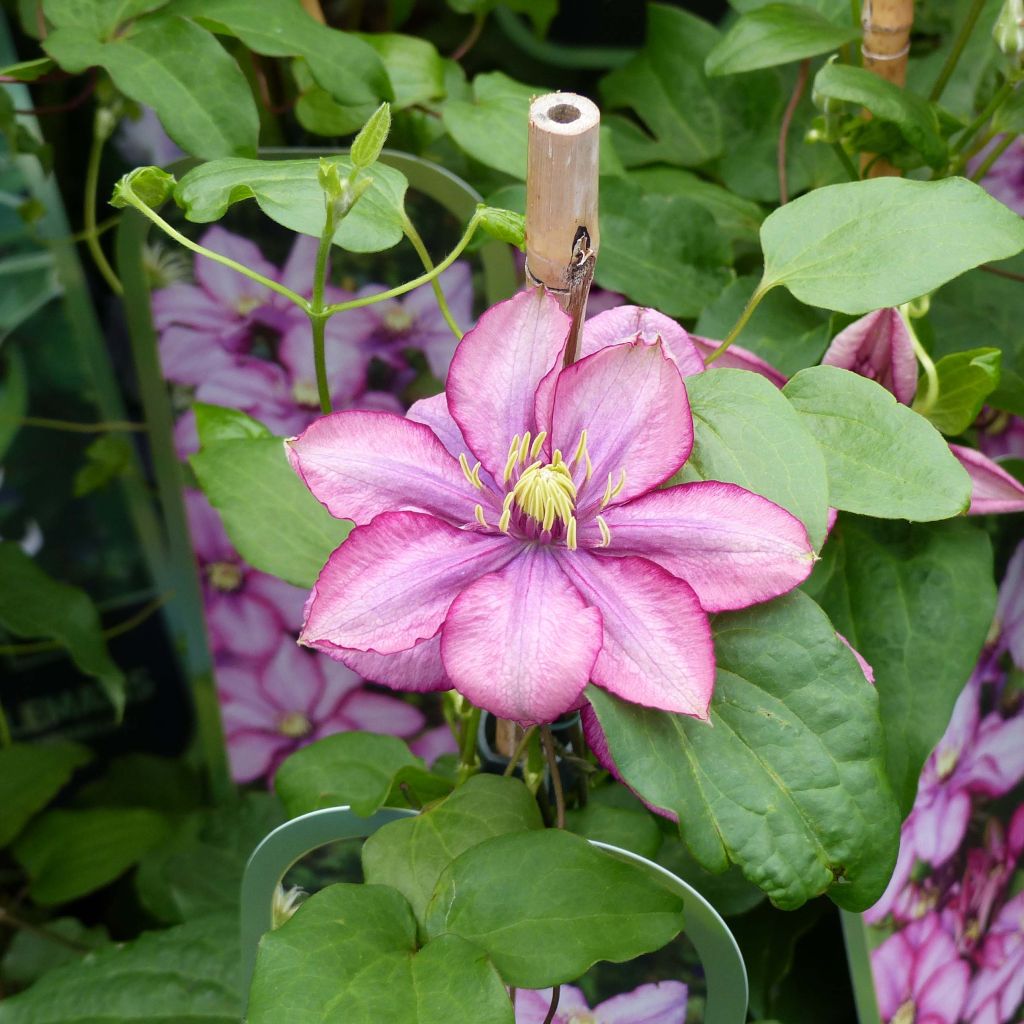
(111, 426)
(5, 729)
(317, 317)
(994, 154)
(416, 282)
(844, 159)
(467, 750)
(428, 264)
(993, 104)
(923, 404)
(556, 776)
(958, 48)
(166, 228)
(100, 134)
(748, 312)
(517, 754)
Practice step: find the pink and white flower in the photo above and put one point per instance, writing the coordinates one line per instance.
(512, 539)
(997, 989)
(662, 1002)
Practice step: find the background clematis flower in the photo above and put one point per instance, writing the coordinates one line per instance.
(662, 1002)
(511, 539)
(878, 346)
(272, 708)
(993, 490)
(1003, 437)
(1010, 609)
(1005, 179)
(919, 976)
(997, 988)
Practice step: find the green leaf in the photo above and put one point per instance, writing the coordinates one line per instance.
(354, 768)
(966, 379)
(107, 458)
(915, 117)
(68, 854)
(776, 34)
(98, 17)
(29, 283)
(31, 955)
(783, 332)
(149, 185)
(666, 86)
(349, 954)
(188, 975)
(13, 396)
(35, 606)
(414, 66)
(613, 815)
(217, 423)
(863, 245)
(269, 514)
(289, 192)
(492, 128)
(746, 433)
(883, 459)
(28, 70)
(540, 11)
(31, 775)
(789, 780)
(662, 251)
(563, 886)
(209, 115)
(341, 62)
(917, 602)
(409, 855)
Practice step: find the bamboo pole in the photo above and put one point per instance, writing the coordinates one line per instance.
(886, 26)
(562, 235)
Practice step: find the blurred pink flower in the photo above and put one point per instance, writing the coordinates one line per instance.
(1010, 609)
(272, 708)
(1005, 180)
(919, 976)
(997, 989)
(1003, 438)
(582, 557)
(993, 490)
(663, 1002)
(878, 346)
(433, 743)
(247, 612)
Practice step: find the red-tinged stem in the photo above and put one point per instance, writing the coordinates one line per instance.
(999, 272)
(556, 782)
(787, 119)
(470, 41)
(553, 1008)
(72, 104)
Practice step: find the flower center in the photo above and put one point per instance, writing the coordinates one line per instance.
(546, 492)
(946, 762)
(582, 1018)
(397, 320)
(247, 303)
(305, 394)
(905, 1014)
(294, 725)
(226, 576)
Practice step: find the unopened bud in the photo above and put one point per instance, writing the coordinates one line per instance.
(505, 225)
(370, 141)
(1008, 31)
(149, 185)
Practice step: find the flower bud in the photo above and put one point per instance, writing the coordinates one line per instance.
(505, 225)
(1008, 31)
(370, 141)
(147, 185)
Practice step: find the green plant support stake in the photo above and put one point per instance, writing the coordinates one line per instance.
(720, 955)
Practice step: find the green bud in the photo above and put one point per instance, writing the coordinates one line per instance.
(370, 141)
(330, 179)
(505, 225)
(147, 185)
(1008, 31)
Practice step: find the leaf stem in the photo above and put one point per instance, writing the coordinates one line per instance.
(787, 118)
(470, 41)
(556, 781)
(6, 917)
(517, 754)
(110, 426)
(428, 264)
(748, 312)
(958, 48)
(994, 154)
(553, 1008)
(1001, 94)
(844, 159)
(416, 282)
(101, 129)
(317, 319)
(467, 749)
(925, 404)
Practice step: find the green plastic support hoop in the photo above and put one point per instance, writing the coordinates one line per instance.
(720, 955)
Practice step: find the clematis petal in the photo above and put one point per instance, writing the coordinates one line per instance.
(659, 1003)
(359, 464)
(346, 364)
(186, 304)
(521, 642)
(419, 669)
(339, 684)
(287, 600)
(209, 539)
(430, 331)
(865, 665)
(631, 401)
(733, 547)
(627, 323)
(254, 754)
(1010, 608)
(532, 1006)
(250, 384)
(188, 356)
(235, 291)
(392, 582)
(376, 712)
(993, 490)
(496, 370)
(657, 640)
(242, 624)
(878, 346)
(434, 743)
(299, 267)
(292, 680)
(737, 358)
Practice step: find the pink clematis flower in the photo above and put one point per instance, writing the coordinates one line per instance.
(997, 989)
(662, 1002)
(878, 346)
(270, 709)
(1005, 180)
(512, 540)
(993, 490)
(919, 976)
(1010, 608)
(1002, 437)
(247, 612)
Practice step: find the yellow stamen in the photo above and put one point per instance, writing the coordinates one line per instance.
(546, 493)
(570, 534)
(581, 448)
(524, 448)
(472, 475)
(506, 512)
(479, 513)
(511, 459)
(612, 491)
(538, 443)
(606, 534)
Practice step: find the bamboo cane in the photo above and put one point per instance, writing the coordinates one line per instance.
(886, 26)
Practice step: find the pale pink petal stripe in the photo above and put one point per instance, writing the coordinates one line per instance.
(233, 289)
(376, 712)
(733, 547)
(993, 490)
(521, 642)
(292, 679)
(627, 322)
(657, 648)
(359, 464)
(419, 669)
(660, 1003)
(392, 582)
(497, 368)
